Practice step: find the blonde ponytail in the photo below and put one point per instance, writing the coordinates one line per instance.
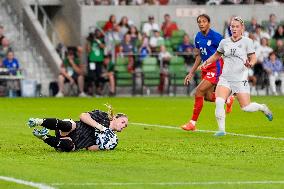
(110, 111)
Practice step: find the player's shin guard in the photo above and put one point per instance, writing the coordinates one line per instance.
(57, 124)
(253, 107)
(64, 145)
(198, 104)
(220, 113)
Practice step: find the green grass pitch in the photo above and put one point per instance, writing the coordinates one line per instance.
(146, 156)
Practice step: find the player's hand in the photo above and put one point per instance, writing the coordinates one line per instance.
(203, 66)
(248, 64)
(187, 79)
(100, 127)
(200, 67)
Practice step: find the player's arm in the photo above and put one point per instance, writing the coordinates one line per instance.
(211, 59)
(65, 73)
(86, 118)
(251, 61)
(79, 69)
(197, 61)
(93, 148)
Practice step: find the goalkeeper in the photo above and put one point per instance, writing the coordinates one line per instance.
(95, 131)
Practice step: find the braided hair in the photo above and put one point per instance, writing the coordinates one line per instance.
(111, 113)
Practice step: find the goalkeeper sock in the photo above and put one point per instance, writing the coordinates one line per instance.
(198, 104)
(253, 107)
(64, 145)
(220, 113)
(57, 124)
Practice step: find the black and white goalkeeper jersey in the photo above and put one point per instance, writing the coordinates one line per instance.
(85, 136)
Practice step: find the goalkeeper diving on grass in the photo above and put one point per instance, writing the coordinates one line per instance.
(95, 131)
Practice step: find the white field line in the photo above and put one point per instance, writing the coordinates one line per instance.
(206, 131)
(172, 183)
(28, 183)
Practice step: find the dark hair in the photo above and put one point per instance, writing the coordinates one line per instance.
(203, 15)
(121, 21)
(271, 53)
(112, 15)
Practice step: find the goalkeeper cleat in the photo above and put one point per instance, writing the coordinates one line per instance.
(32, 122)
(229, 104)
(220, 133)
(189, 127)
(267, 112)
(41, 134)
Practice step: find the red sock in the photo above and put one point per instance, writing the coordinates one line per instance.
(198, 104)
(213, 97)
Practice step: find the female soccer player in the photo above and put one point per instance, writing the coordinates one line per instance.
(206, 43)
(239, 55)
(94, 131)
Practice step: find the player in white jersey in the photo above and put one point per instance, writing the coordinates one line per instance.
(239, 55)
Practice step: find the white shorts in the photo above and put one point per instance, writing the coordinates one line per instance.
(235, 86)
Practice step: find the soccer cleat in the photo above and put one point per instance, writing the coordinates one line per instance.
(229, 105)
(220, 133)
(41, 134)
(59, 94)
(267, 112)
(32, 122)
(82, 94)
(189, 127)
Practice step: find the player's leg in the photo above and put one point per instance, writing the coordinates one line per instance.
(210, 94)
(61, 80)
(222, 93)
(64, 144)
(281, 77)
(81, 83)
(65, 126)
(248, 106)
(201, 90)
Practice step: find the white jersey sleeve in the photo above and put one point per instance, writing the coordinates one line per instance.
(220, 48)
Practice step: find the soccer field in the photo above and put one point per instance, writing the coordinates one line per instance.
(153, 152)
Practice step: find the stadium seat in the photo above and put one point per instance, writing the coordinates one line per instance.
(150, 72)
(272, 43)
(168, 43)
(264, 23)
(178, 33)
(122, 76)
(177, 71)
(175, 41)
(247, 23)
(101, 23)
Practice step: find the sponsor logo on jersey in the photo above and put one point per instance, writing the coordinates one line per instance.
(209, 42)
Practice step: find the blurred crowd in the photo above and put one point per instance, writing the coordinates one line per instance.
(90, 69)
(176, 2)
(9, 66)
(112, 39)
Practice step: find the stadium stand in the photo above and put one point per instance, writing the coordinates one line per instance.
(135, 53)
